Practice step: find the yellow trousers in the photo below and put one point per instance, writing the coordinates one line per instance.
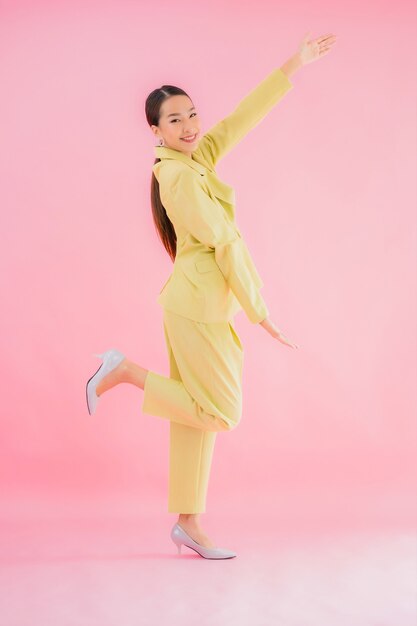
(202, 396)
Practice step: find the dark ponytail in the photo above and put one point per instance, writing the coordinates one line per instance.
(163, 224)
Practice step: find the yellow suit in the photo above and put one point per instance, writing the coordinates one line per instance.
(213, 278)
(214, 275)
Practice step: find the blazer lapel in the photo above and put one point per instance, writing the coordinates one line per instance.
(162, 152)
(221, 190)
(225, 193)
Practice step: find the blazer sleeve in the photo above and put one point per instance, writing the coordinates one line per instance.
(187, 203)
(224, 135)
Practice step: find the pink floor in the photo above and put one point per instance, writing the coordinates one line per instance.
(328, 560)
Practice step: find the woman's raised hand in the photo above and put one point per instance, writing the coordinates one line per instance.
(270, 327)
(312, 49)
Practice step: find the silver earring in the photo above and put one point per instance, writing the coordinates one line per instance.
(161, 142)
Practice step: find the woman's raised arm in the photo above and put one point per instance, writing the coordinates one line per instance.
(224, 135)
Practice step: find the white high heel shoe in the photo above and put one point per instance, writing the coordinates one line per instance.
(179, 536)
(111, 359)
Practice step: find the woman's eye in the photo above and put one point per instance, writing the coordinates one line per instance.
(176, 120)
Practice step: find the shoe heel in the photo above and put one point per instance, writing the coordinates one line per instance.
(180, 537)
(111, 359)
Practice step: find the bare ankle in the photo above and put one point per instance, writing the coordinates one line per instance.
(134, 374)
(191, 519)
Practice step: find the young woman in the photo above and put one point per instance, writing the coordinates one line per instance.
(213, 277)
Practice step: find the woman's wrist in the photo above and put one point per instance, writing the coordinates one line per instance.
(293, 64)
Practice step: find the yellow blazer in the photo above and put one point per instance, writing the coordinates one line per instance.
(213, 274)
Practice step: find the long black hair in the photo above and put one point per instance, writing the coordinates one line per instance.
(163, 224)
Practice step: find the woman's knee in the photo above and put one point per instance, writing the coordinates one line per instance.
(233, 416)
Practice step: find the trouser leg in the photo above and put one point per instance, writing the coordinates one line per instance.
(209, 358)
(190, 460)
(190, 457)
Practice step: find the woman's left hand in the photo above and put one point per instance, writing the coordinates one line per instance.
(312, 49)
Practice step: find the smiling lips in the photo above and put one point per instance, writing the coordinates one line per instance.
(189, 139)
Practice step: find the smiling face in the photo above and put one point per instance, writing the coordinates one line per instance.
(178, 120)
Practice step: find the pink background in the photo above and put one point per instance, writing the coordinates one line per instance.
(327, 442)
